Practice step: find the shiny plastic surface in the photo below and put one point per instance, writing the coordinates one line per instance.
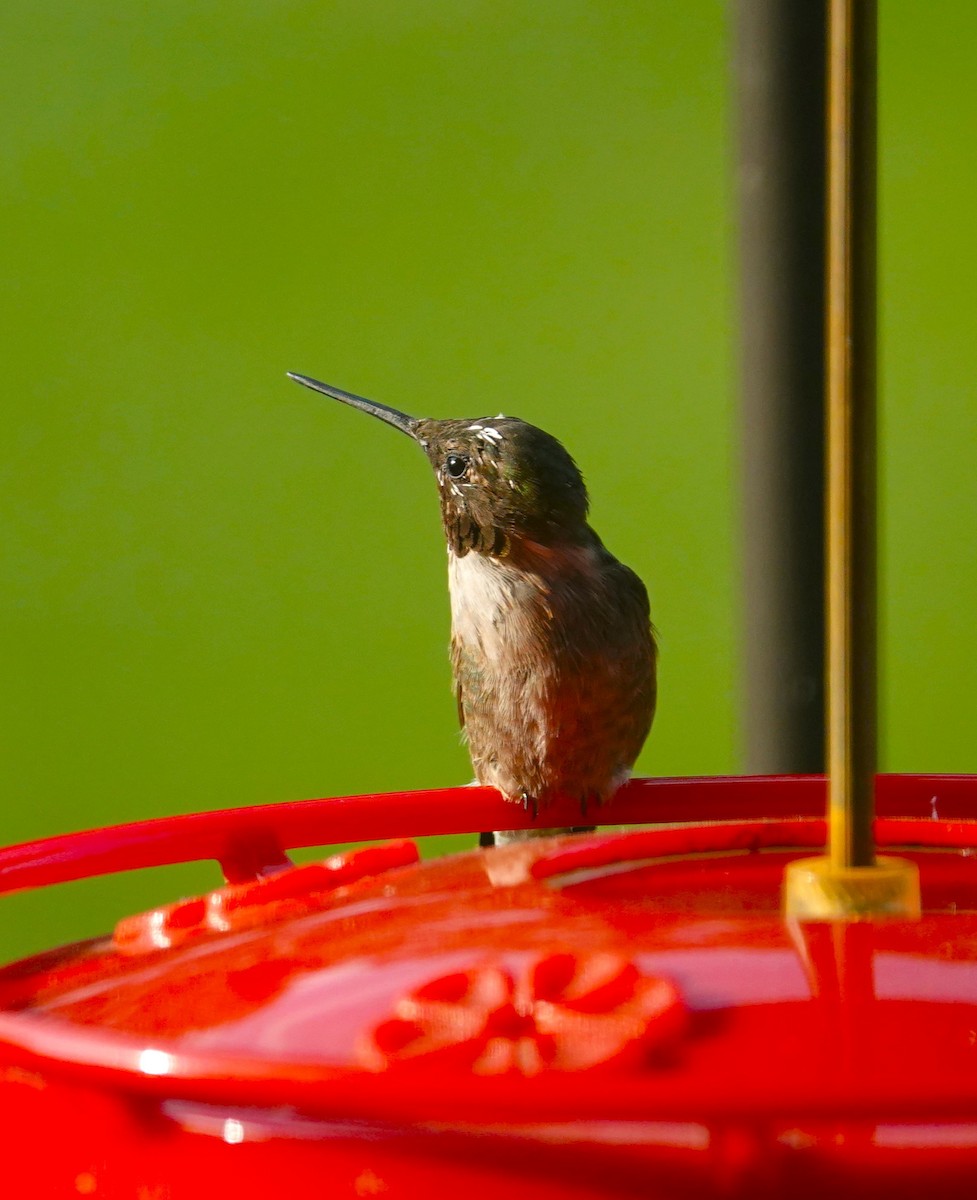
(611, 1014)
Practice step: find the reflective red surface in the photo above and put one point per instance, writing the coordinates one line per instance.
(610, 1014)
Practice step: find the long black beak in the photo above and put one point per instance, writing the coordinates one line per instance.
(392, 416)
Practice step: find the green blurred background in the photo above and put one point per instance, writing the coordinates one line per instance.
(218, 589)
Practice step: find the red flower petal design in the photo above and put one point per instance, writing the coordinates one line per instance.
(564, 1011)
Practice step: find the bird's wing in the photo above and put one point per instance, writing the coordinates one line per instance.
(632, 598)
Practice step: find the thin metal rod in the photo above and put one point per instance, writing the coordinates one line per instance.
(851, 549)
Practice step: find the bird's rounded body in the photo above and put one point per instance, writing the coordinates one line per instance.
(554, 668)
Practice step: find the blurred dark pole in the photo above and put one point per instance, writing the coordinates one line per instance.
(780, 66)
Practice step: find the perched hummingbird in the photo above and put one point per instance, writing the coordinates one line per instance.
(552, 649)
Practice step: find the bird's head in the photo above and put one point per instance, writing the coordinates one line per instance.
(501, 480)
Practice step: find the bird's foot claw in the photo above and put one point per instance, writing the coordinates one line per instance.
(590, 800)
(530, 804)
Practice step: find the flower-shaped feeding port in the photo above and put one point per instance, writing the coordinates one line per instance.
(563, 1011)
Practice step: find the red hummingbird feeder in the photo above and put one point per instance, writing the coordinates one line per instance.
(596, 1015)
(709, 1004)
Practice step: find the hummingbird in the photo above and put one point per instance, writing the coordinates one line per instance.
(553, 653)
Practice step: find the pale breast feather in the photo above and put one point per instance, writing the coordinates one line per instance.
(482, 591)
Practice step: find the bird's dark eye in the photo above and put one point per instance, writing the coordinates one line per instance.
(456, 465)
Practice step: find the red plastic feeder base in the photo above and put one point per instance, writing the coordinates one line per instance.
(613, 1014)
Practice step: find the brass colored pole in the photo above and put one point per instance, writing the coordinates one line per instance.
(851, 550)
(850, 883)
